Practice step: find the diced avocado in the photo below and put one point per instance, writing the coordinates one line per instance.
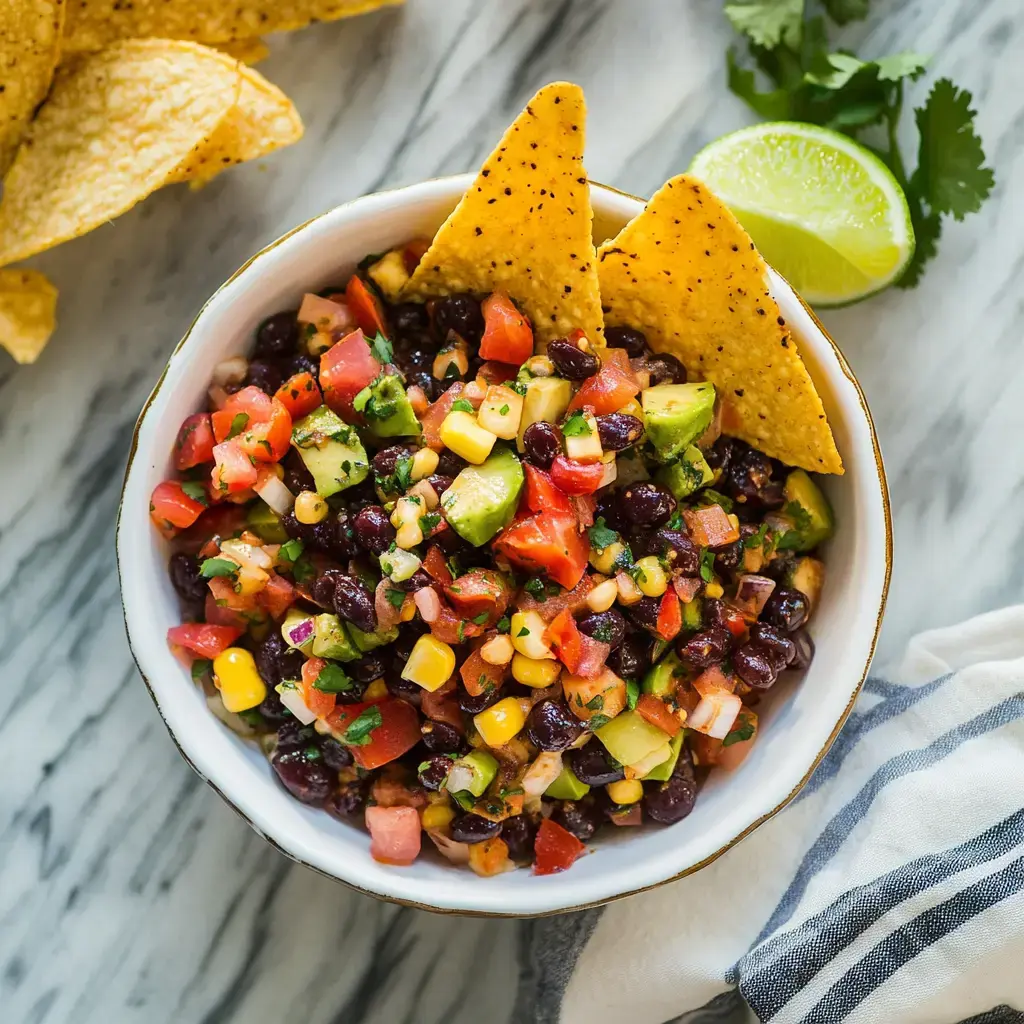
(567, 786)
(330, 640)
(298, 630)
(464, 799)
(810, 511)
(663, 772)
(546, 400)
(472, 773)
(693, 615)
(687, 474)
(808, 576)
(482, 499)
(629, 737)
(662, 678)
(370, 641)
(386, 408)
(676, 415)
(629, 468)
(265, 523)
(331, 450)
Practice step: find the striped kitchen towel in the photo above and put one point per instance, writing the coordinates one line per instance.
(890, 890)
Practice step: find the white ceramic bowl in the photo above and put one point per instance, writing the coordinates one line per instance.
(797, 729)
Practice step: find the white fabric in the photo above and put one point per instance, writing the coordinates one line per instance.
(891, 890)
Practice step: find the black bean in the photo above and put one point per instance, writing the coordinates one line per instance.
(681, 552)
(441, 737)
(190, 587)
(803, 653)
(301, 363)
(608, 627)
(518, 834)
(782, 647)
(669, 802)
(594, 766)
(647, 503)
(580, 817)
(351, 599)
(709, 647)
(786, 608)
(645, 613)
(572, 362)
(417, 581)
(433, 771)
(719, 455)
(335, 536)
(459, 313)
(264, 375)
(348, 799)
(403, 688)
(432, 388)
(473, 828)
(449, 464)
(293, 735)
(408, 318)
(272, 710)
(728, 557)
(631, 658)
(748, 480)
(633, 341)
(373, 529)
(278, 335)
(552, 726)
(441, 484)
(303, 774)
(618, 430)
(665, 369)
(296, 477)
(541, 443)
(609, 510)
(336, 755)
(385, 462)
(714, 613)
(474, 705)
(755, 664)
(276, 661)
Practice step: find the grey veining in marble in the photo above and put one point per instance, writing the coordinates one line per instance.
(129, 894)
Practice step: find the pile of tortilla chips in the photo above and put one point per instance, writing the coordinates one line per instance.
(683, 271)
(102, 102)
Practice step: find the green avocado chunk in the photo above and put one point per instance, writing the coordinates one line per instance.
(567, 786)
(387, 408)
(693, 617)
(686, 475)
(482, 499)
(330, 640)
(663, 772)
(370, 641)
(810, 511)
(662, 678)
(265, 523)
(676, 415)
(629, 737)
(331, 450)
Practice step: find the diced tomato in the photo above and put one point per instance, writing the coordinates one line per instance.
(442, 705)
(345, 369)
(171, 509)
(233, 471)
(608, 390)
(593, 655)
(452, 628)
(260, 425)
(710, 526)
(575, 600)
(494, 372)
(575, 478)
(479, 592)
(554, 849)
(541, 495)
(734, 621)
(546, 541)
(413, 252)
(398, 732)
(658, 713)
(437, 565)
(320, 703)
(565, 639)
(394, 834)
(670, 616)
(203, 638)
(619, 358)
(432, 419)
(478, 676)
(195, 442)
(277, 596)
(714, 680)
(328, 316)
(300, 395)
(508, 336)
(220, 615)
(226, 596)
(365, 308)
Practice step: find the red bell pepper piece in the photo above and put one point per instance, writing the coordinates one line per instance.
(363, 305)
(508, 336)
(566, 639)
(554, 849)
(658, 713)
(549, 542)
(670, 616)
(540, 493)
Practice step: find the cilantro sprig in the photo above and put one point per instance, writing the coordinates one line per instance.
(813, 82)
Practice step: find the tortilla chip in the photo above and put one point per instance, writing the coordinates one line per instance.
(29, 51)
(524, 225)
(685, 272)
(115, 128)
(28, 305)
(94, 24)
(262, 120)
(248, 51)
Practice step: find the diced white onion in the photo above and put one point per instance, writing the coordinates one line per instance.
(276, 495)
(230, 371)
(715, 714)
(246, 555)
(542, 773)
(293, 701)
(460, 777)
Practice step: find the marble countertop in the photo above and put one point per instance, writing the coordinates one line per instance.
(128, 891)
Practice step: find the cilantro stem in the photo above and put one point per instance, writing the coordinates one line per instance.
(892, 117)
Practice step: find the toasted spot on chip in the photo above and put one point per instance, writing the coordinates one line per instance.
(28, 308)
(248, 51)
(29, 51)
(262, 120)
(524, 226)
(685, 272)
(94, 24)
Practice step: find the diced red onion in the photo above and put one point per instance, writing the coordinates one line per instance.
(715, 714)
(276, 495)
(301, 632)
(428, 604)
(686, 588)
(542, 773)
(752, 593)
(293, 701)
(593, 655)
(230, 371)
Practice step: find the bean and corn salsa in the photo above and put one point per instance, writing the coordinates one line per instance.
(456, 586)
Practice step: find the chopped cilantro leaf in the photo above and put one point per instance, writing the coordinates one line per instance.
(601, 536)
(712, 497)
(756, 540)
(358, 732)
(238, 423)
(768, 22)
(743, 730)
(595, 703)
(396, 598)
(462, 405)
(303, 570)
(577, 426)
(212, 567)
(480, 619)
(290, 550)
(196, 491)
(503, 624)
(596, 721)
(381, 349)
(201, 669)
(429, 521)
(707, 565)
(503, 411)
(523, 632)
(632, 693)
(534, 586)
(333, 679)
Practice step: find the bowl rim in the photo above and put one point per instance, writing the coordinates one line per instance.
(465, 179)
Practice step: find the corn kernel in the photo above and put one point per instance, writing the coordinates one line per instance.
(540, 366)
(310, 508)
(236, 677)
(430, 664)
(714, 589)
(424, 464)
(604, 560)
(376, 690)
(465, 437)
(633, 408)
(436, 817)
(651, 578)
(500, 722)
(498, 650)
(389, 274)
(603, 596)
(527, 633)
(629, 592)
(501, 411)
(317, 344)
(451, 355)
(625, 791)
(408, 610)
(531, 672)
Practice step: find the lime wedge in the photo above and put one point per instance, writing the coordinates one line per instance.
(823, 210)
